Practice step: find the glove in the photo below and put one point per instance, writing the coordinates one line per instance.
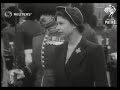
(20, 75)
(28, 56)
(114, 55)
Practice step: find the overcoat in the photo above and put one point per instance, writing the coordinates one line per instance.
(85, 67)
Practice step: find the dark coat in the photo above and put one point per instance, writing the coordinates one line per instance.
(36, 67)
(23, 39)
(83, 68)
(25, 33)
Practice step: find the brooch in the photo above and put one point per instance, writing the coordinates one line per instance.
(78, 50)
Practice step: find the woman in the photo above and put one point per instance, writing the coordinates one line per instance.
(78, 62)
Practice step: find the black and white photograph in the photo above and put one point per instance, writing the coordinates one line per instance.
(58, 44)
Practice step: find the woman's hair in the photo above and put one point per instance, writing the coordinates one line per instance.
(63, 14)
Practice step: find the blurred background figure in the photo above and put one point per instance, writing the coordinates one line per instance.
(24, 36)
(110, 33)
(4, 70)
(9, 33)
(9, 37)
(90, 21)
(25, 33)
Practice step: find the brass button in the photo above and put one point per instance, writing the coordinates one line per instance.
(45, 39)
(46, 35)
(42, 57)
(43, 65)
(43, 47)
(43, 61)
(42, 52)
(44, 43)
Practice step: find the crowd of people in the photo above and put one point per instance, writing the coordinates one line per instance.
(57, 50)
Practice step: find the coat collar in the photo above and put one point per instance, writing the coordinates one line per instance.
(82, 44)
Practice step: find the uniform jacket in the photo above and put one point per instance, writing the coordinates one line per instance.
(83, 68)
(41, 65)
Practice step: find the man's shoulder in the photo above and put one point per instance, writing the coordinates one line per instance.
(38, 39)
(39, 34)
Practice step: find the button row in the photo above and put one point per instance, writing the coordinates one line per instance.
(42, 52)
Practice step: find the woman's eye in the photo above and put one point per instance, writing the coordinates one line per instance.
(60, 23)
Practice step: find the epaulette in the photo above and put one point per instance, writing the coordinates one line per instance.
(39, 33)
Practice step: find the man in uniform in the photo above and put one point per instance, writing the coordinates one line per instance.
(43, 52)
(43, 55)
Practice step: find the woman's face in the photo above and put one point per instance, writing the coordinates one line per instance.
(64, 27)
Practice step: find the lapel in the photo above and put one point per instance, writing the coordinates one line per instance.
(60, 62)
(62, 53)
(76, 58)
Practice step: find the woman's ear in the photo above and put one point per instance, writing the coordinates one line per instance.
(74, 27)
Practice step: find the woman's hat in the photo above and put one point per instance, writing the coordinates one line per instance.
(74, 13)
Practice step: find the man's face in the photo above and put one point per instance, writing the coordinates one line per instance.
(52, 29)
(64, 27)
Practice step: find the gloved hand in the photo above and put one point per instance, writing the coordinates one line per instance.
(28, 56)
(20, 75)
(114, 56)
